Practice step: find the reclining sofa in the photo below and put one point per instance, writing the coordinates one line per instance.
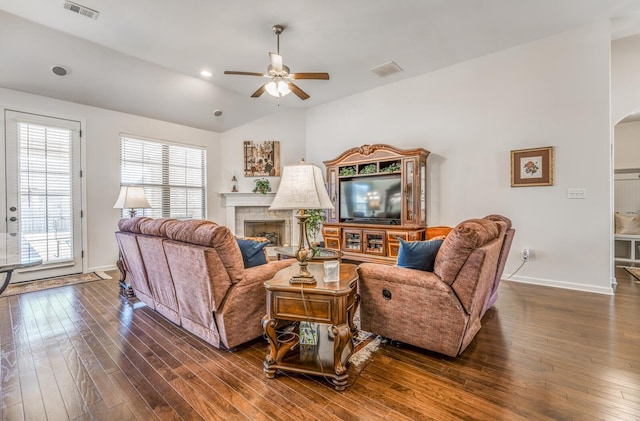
(192, 272)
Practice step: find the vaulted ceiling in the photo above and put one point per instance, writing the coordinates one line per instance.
(144, 57)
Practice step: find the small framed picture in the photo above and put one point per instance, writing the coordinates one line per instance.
(532, 167)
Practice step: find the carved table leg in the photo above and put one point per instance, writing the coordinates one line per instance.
(342, 336)
(269, 326)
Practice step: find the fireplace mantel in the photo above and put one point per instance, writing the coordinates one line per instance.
(234, 199)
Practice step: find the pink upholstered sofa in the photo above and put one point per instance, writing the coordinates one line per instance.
(192, 273)
(439, 310)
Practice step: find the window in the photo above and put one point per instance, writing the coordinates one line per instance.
(173, 176)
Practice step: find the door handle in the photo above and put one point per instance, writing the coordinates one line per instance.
(13, 219)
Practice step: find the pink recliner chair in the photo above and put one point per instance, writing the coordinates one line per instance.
(439, 310)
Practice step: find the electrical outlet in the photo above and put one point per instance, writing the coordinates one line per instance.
(525, 255)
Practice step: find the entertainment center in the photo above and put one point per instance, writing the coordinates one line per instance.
(379, 194)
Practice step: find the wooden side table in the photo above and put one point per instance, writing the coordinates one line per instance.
(329, 305)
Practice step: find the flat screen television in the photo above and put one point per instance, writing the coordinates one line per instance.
(376, 199)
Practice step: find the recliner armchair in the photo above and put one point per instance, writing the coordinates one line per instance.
(440, 310)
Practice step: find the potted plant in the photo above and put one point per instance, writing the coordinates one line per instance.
(314, 223)
(262, 186)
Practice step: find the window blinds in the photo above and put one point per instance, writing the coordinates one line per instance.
(45, 189)
(173, 176)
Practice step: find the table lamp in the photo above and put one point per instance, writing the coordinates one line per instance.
(302, 187)
(132, 198)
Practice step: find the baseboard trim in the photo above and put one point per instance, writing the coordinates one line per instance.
(102, 268)
(564, 285)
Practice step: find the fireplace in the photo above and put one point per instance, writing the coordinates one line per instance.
(252, 207)
(273, 230)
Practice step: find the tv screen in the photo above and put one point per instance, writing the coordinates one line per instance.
(375, 199)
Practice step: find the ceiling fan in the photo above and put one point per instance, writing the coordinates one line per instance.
(281, 82)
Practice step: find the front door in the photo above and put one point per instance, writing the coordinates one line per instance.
(43, 191)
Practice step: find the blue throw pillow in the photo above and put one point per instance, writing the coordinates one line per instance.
(418, 254)
(252, 252)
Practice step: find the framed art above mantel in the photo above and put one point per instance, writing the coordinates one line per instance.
(532, 167)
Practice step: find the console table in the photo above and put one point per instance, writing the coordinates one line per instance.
(329, 305)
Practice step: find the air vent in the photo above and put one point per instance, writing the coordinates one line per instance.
(82, 10)
(386, 69)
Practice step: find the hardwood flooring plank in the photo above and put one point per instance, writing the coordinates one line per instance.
(140, 356)
(542, 354)
(182, 333)
(222, 378)
(105, 389)
(66, 390)
(151, 396)
(10, 394)
(139, 408)
(32, 402)
(238, 376)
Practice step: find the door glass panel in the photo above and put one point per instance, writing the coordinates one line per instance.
(423, 194)
(45, 190)
(409, 191)
(332, 193)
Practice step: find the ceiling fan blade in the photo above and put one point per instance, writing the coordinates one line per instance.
(259, 92)
(276, 62)
(231, 72)
(299, 92)
(317, 75)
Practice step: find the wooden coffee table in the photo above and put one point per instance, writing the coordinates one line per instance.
(329, 305)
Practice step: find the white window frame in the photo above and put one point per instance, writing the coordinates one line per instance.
(148, 163)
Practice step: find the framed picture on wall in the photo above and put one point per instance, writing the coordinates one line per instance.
(261, 159)
(532, 167)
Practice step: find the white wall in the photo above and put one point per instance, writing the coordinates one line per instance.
(470, 116)
(627, 145)
(625, 84)
(102, 164)
(285, 126)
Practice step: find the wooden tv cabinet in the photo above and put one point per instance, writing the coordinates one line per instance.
(376, 241)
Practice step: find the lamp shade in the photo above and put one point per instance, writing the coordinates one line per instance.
(132, 197)
(301, 187)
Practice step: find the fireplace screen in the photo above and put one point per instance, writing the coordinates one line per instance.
(271, 230)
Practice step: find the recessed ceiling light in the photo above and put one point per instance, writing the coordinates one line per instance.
(217, 113)
(59, 70)
(206, 73)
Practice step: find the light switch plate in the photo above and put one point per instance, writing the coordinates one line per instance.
(577, 193)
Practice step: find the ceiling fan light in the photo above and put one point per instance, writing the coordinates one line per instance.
(283, 88)
(277, 89)
(272, 89)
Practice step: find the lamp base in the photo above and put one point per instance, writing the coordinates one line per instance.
(302, 279)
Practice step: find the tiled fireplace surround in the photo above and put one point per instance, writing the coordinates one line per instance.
(241, 207)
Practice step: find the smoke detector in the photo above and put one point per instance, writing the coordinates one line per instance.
(81, 10)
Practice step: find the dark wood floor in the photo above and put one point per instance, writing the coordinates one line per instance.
(82, 352)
